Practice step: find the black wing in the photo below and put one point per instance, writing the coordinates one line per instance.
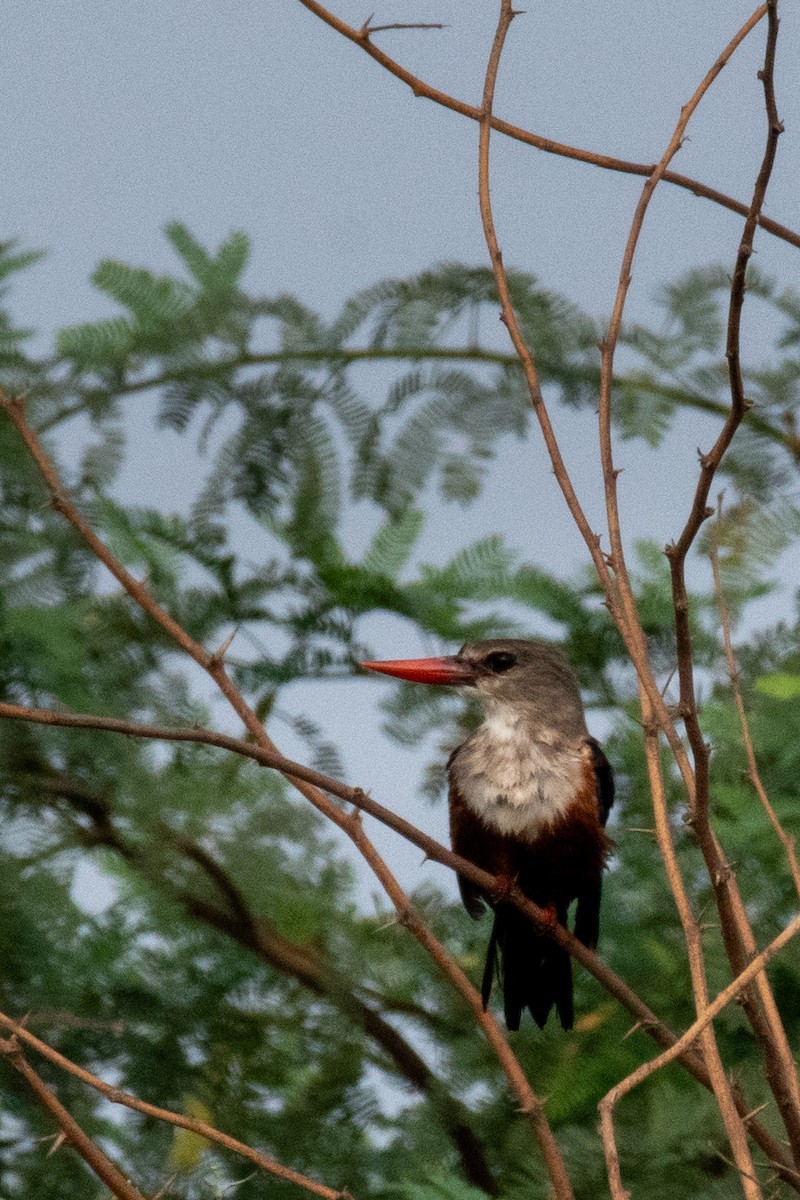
(604, 780)
(587, 914)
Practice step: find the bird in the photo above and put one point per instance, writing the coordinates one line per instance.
(530, 792)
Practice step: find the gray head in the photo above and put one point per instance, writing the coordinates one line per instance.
(526, 675)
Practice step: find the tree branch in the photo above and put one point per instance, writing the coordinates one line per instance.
(723, 1092)
(116, 1096)
(71, 1131)
(758, 1001)
(788, 842)
(305, 964)
(609, 344)
(619, 594)
(346, 356)
(213, 664)
(604, 161)
(731, 992)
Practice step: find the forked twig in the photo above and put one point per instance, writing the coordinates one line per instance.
(724, 998)
(619, 593)
(529, 1103)
(606, 162)
(609, 344)
(201, 1128)
(788, 842)
(90, 1152)
(740, 944)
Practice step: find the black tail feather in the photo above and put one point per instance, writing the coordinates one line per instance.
(489, 968)
(534, 972)
(587, 915)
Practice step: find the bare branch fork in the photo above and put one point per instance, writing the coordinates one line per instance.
(728, 994)
(739, 941)
(788, 842)
(350, 824)
(740, 945)
(88, 1150)
(612, 569)
(360, 37)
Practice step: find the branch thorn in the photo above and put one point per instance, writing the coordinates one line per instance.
(218, 657)
(58, 1141)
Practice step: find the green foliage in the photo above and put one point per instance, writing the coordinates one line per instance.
(227, 966)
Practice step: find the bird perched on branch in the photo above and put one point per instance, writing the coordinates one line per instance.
(530, 792)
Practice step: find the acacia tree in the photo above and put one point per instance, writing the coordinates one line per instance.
(234, 990)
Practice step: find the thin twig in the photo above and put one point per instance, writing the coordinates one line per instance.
(509, 318)
(201, 1128)
(368, 30)
(548, 145)
(729, 993)
(89, 1151)
(758, 1002)
(709, 462)
(617, 585)
(622, 609)
(787, 841)
(609, 344)
(730, 1113)
(626, 610)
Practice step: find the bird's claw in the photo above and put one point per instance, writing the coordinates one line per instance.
(504, 886)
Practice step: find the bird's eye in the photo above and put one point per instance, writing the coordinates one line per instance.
(500, 661)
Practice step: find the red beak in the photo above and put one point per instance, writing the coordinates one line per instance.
(450, 670)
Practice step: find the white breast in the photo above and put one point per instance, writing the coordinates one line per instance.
(516, 784)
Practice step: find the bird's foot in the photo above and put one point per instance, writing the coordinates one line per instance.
(504, 886)
(549, 916)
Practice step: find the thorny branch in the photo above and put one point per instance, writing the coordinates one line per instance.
(71, 1132)
(264, 1161)
(780, 1071)
(740, 945)
(361, 38)
(746, 963)
(725, 997)
(529, 1103)
(788, 842)
(710, 462)
(621, 600)
(298, 773)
